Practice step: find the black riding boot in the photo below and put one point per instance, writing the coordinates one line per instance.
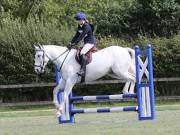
(82, 71)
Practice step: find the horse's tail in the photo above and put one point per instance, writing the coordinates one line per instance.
(132, 53)
(132, 69)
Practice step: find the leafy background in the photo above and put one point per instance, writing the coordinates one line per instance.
(24, 23)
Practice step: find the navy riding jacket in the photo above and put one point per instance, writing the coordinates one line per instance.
(84, 31)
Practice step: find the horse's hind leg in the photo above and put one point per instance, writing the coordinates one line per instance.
(129, 85)
(132, 73)
(130, 81)
(126, 87)
(131, 89)
(131, 78)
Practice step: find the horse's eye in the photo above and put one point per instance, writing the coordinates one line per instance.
(39, 56)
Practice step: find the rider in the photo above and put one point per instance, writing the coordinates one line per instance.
(84, 31)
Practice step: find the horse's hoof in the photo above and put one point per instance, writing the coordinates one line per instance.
(58, 111)
(125, 92)
(58, 114)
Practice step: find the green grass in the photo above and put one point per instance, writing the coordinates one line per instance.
(41, 120)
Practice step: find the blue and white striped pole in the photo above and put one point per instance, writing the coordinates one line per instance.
(105, 109)
(110, 97)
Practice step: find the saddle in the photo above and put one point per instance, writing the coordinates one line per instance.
(88, 54)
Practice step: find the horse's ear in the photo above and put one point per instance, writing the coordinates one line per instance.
(38, 46)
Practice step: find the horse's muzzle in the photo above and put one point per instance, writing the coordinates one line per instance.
(38, 70)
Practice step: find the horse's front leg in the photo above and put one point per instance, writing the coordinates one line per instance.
(64, 108)
(60, 86)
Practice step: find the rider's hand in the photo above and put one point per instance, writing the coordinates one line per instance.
(69, 46)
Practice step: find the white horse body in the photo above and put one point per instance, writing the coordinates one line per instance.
(108, 60)
(114, 60)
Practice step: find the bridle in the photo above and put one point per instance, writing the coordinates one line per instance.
(43, 62)
(44, 54)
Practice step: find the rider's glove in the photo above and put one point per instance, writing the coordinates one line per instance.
(69, 46)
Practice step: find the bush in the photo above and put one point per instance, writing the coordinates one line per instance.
(24, 23)
(133, 18)
(120, 18)
(166, 55)
(17, 51)
(166, 52)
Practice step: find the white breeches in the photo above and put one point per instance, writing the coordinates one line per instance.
(86, 48)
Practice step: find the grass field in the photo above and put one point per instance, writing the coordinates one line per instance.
(42, 121)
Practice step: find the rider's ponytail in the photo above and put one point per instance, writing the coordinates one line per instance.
(86, 21)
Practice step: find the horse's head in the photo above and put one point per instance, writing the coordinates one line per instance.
(41, 59)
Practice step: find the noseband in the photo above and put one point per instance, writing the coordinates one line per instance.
(42, 64)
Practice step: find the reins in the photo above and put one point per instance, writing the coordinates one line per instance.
(61, 55)
(64, 60)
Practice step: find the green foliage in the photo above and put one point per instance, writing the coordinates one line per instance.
(60, 11)
(118, 22)
(132, 18)
(17, 40)
(167, 58)
(111, 21)
(166, 55)
(119, 18)
(166, 52)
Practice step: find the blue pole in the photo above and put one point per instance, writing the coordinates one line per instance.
(138, 82)
(151, 83)
(71, 107)
(58, 77)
